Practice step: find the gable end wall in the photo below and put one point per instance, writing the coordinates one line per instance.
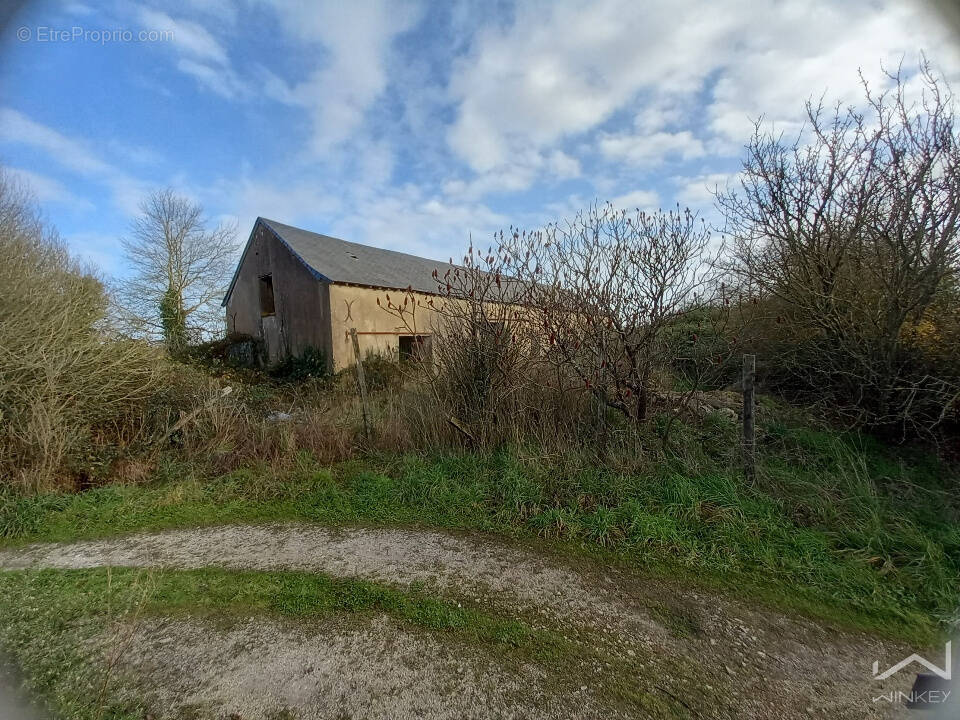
(301, 300)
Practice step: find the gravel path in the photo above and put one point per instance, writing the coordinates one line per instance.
(762, 663)
(261, 668)
(469, 566)
(403, 556)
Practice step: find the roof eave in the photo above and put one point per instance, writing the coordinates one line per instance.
(236, 273)
(312, 270)
(243, 257)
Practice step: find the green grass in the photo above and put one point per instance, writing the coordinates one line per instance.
(50, 618)
(292, 594)
(836, 526)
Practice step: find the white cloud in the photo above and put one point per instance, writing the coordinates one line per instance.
(135, 152)
(659, 113)
(223, 11)
(374, 164)
(248, 193)
(698, 192)
(78, 9)
(415, 221)
(50, 191)
(15, 127)
(220, 80)
(202, 56)
(191, 38)
(638, 199)
(531, 104)
(357, 38)
(75, 155)
(565, 69)
(516, 176)
(407, 218)
(650, 149)
(563, 166)
(349, 44)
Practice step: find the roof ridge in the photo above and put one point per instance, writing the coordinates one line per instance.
(351, 242)
(335, 260)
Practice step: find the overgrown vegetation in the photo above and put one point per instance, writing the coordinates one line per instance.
(847, 239)
(838, 525)
(66, 383)
(565, 398)
(842, 275)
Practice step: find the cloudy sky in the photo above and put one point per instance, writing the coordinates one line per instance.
(411, 125)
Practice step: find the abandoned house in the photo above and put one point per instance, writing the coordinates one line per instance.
(294, 290)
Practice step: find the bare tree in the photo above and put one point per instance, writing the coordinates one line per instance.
(180, 270)
(612, 288)
(848, 235)
(482, 367)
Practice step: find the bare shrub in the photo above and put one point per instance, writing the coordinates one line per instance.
(486, 373)
(536, 338)
(848, 237)
(265, 424)
(64, 380)
(623, 300)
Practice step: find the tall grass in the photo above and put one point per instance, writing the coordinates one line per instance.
(835, 520)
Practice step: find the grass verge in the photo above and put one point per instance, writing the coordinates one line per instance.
(838, 527)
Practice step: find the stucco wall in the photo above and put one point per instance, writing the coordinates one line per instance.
(313, 313)
(301, 301)
(352, 306)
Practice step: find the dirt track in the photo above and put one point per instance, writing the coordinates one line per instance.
(761, 663)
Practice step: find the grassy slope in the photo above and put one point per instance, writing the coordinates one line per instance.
(838, 527)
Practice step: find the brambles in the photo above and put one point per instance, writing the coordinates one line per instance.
(608, 292)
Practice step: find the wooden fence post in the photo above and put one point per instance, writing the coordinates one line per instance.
(361, 382)
(749, 428)
(186, 418)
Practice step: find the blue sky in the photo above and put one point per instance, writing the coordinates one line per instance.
(411, 125)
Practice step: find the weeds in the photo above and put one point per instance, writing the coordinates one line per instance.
(52, 626)
(827, 524)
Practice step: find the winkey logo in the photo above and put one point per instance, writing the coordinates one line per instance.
(944, 672)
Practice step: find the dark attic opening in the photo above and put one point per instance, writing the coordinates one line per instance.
(266, 295)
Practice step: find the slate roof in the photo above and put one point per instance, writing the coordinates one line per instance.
(334, 260)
